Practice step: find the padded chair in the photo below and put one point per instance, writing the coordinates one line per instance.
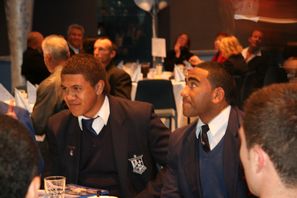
(160, 94)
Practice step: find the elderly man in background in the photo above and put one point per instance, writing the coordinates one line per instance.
(33, 67)
(19, 158)
(49, 99)
(75, 36)
(268, 141)
(119, 80)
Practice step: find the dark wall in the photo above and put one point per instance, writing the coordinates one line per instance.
(54, 16)
(4, 48)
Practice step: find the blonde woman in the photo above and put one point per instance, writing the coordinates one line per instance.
(230, 49)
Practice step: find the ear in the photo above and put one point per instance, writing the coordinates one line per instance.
(99, 87)
(258, 158)
(113, 53)
(218, 95)
(33, 188)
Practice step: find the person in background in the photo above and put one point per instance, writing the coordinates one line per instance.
(49, 99)
(19, 158)
(257, 61)
(218, 56)
(33, 67)
(180, 53)
(203, 157)
(75, 38)
(290, 67)
(120, 82)
(104, 141)
(230, 49)
(268, 141)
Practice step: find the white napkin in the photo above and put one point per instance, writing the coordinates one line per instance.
(134, 70)
(5, 96)
(21, 99)
(179, 73)
(31, 90)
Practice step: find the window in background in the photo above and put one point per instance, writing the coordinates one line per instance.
(128, 26)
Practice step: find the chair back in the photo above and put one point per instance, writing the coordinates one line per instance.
(158, 92)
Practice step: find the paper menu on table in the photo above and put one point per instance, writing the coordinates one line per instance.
(5, 96)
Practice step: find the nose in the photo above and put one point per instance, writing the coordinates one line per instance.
(184, 92)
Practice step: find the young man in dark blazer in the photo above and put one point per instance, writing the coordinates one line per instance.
(120, 149)
(205, 163)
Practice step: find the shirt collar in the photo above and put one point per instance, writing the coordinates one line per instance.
(244, 54)
(76, 51)
(101, 116)
(217, 127)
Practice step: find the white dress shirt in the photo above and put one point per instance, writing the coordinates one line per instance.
(101, 117)
(217, 127)
(244, 54)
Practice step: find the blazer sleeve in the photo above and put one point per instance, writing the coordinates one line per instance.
(158, 136)
(120, 84)
(170, 185)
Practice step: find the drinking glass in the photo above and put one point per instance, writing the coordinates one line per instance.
(55, 186)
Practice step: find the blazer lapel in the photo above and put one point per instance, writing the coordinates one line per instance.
(231, 155)
(190, 161)
(119, 138)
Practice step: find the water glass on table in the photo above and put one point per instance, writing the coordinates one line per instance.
(55, 186)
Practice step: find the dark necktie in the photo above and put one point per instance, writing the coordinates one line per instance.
(87, 125)
(204, 138)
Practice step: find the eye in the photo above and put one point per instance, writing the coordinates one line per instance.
(192, 84)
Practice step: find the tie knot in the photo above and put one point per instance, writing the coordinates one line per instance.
(87, 124)
(204, 128)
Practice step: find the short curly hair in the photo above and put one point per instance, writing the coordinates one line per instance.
(19, 158)
(271, 121)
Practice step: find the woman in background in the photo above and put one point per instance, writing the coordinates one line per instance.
(180, 53)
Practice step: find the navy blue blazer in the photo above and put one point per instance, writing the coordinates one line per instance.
(183, 165)
(135, 130)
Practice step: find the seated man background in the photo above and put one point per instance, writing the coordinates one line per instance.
(19, 160)
(268, 141)
(49, 99)
(203, 157)
(104, 141)
(119, 80)
(75, 37)
(33, 66)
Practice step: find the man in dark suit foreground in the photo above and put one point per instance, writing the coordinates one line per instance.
(120, 148)
(206, 164)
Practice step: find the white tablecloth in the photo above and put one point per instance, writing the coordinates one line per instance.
(177, 88)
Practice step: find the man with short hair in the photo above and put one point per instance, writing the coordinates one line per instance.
(119, 80)
(75, 36)
(268, 141)
(49, 99)
(33, 67)
(203, 157)
(256, 59)
(19, 158)
(104, 141)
